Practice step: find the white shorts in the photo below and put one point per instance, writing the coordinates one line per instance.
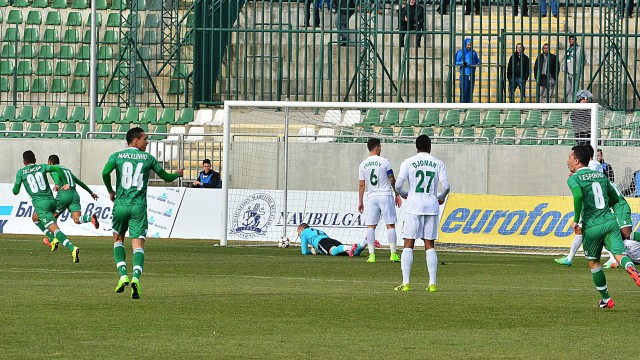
(420, 227)
(380, 204)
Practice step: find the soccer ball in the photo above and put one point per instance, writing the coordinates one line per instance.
(283, 242)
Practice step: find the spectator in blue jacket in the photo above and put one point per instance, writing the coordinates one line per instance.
(467, 59)
(207, 178)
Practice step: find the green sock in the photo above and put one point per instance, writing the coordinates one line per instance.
(120, 257)
(138, 262)
(601, 282)
(626, 261)
(44, 230)
(85, 219)
(64, 240)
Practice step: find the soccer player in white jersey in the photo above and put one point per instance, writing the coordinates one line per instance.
(376, 175)
(423, 172)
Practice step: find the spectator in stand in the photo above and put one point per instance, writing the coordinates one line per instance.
(606, 167)
(546, 68)
(581, 119)
(468, 60)
(518, 72)
(543, 8)
(207, 178)
(316, 13)
(476, 6)
(346, 9)
(573, 65)
(525, 8)
(411, 18)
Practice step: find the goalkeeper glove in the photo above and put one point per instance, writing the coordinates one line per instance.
(314, 251)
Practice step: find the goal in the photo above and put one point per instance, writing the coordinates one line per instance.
(285, 163)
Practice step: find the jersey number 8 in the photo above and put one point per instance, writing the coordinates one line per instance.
(131, 178)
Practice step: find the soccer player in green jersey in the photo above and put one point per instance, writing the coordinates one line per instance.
(68, 197)
(132, 167)
(593, 195)
(33, 177)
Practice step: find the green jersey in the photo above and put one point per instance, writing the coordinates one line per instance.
(593, 196)
(70, 179)
(34, 179)
(622, 201)
(132, 175)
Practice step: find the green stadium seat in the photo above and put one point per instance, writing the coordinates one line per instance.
(191, 21)
(554, 120)
(34, 17)
(21, 84)
(39, 86)
(25, 114)
(63, 68)
(67, 52)
(14, 17)
(488, 133)
(105, 53)
(345, 136)
(568, 138)
(18, 129)
(114, 20)
(104, 69)
(113, 116)
(46, 52)
(59, 4)
(84, 130)
(21, 3)
(43, 114)
(101, 5)
(491, 119)
(152, 21)
(618, 121)
(4, 85)
(79, 4)
(160, 129)
(78, 86)
(1, 19)
(144, 127)
(391, 116)
(51, 36)
(468, 134)
(364, 133)
(550, 137)
(372, 117)
(74, 19)
(186, 116)
(635, 121)
(446, 135)
(386, 134)
(427, 131)
(533, 119)
(40, 4)
(82, 69)
(119, 5)
(8, 51)
(98, 18)
(513, 119)
(4, 3)
(149, 116)
(104, 132)
(111, 37)
(507, 137)
(11, 35)
(122, 129)
(59, 85)
(150, 37)
(411, 118)
(6, 67)
(133, 21)
(529, 137)
(176, 87)
(471, 119)
(116, 87)
(406, 134)
(51, 131)
(634, 138)
(3, 128)
(71, 36)
(53, 19)
(34, 130)
(68, 131)
(155, 5)
(31, 35)
(139, 86)
(167, 116)
(8, 113)
(60, 115)
(131, 116)
(78, 115)
(451, 118)
(27, 51)
(44, 68)
(614, 138)
(84, 53)
(102, 87)
(146, 53)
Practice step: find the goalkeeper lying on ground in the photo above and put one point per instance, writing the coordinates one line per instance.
(321, 243)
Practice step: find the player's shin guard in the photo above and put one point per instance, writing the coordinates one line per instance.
(577, 241)
(120, 257)
(44, 230)
(406, 261)
(138, 262)
(63, 239)
(392, 238)
(85, 219)
(626, 261)
(371, 239)
(601, 282)
(432, 265)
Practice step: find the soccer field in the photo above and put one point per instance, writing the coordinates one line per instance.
(204, 302)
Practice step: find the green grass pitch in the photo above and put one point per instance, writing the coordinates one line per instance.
(204, 302)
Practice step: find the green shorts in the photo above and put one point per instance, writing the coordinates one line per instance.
(607, 235)
(133, 218)
(623, 215)
(45, 210)
(69, 199)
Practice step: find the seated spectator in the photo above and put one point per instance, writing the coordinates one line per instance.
(411, 18)
(207, 178)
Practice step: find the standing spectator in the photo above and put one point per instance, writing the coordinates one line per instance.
(316, 13)
(346, 9)
(411, 18)
(606, 167)
(476, 6)
(442, 9)
(321, 2)
(207, 178)
(543, 8)
(581, 119)
(572, 64)
(518, 72)
(546, 68)
(525, 8)
(467, 59)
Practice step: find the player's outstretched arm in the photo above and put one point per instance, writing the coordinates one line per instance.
(85, 187)
(106, 177)
(304, 246)
(17, 184)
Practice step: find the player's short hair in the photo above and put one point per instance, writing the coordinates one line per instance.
(134, 133)
(206, 161)
(303, 226)
(582, 154)
(54, 159)
(373, 143)
(29, 157)
(589, 150)
(423, 143)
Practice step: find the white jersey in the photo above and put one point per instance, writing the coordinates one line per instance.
(595, 166)
(423, 172)
(375, 171)
(632, 249)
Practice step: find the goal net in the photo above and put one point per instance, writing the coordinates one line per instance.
(285, 163)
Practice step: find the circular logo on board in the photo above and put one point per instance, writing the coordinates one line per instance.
(253, 216)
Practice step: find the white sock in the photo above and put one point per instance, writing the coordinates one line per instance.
(406, 260)
(371, 238)
(392, 238)
(432, 265)
(577, 241)
(631, 237)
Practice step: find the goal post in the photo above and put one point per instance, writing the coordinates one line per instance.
(288, 162)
